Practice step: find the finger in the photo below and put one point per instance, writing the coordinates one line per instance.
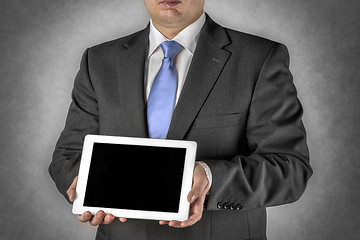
(71, 192)
(175, 224)
(163, 222)
(85, 217)
(123, 219)
(98, 218)
(193, 218)
(195, 215)
(196, 211)
(108, 219)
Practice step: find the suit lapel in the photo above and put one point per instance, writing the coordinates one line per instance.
(131, 65)
(208, 61)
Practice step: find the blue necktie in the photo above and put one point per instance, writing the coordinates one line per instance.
(161, 101)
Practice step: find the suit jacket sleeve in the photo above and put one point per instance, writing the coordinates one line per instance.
(82, 119)
(277, 169)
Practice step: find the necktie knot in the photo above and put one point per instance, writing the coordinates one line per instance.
(171, 49)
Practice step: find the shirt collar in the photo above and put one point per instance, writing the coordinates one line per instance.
(188, 37)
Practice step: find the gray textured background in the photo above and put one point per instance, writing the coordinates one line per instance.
(41, 43)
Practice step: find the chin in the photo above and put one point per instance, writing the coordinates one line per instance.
(170, 16)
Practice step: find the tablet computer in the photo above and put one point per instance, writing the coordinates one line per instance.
(135, 177)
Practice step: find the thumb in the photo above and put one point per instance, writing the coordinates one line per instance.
(71, 192)
(198, 189)
(194, 194)
(200, 183)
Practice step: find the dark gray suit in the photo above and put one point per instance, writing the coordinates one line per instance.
(238, 103)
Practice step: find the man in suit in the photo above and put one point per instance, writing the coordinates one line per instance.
(234, 97)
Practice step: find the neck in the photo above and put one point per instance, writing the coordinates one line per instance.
(169, 33)
(171, 30)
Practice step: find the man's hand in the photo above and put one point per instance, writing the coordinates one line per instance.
(100, 216)
(196, 197)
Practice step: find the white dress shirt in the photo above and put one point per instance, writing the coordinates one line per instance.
(188, 38)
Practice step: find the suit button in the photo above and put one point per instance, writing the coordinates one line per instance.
(239, 206)
(220, 205)
(227, 205)
(232, 206)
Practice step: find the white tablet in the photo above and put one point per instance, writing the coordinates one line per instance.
(135, 177)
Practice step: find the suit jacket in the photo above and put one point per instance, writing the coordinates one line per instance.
(238, 103)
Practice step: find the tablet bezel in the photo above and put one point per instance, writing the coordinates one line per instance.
(184, 205)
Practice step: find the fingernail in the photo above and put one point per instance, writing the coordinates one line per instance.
(193, 198)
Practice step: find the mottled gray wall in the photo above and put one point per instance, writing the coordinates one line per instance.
(41, 43)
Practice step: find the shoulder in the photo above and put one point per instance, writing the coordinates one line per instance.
(239, 43)
(251, 45)
(248, 39)
(112, 46)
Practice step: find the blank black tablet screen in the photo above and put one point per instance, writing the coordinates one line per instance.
(135, 177)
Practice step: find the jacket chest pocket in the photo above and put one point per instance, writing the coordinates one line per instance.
(220, 121)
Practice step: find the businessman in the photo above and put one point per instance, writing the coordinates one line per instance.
(186, 77)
